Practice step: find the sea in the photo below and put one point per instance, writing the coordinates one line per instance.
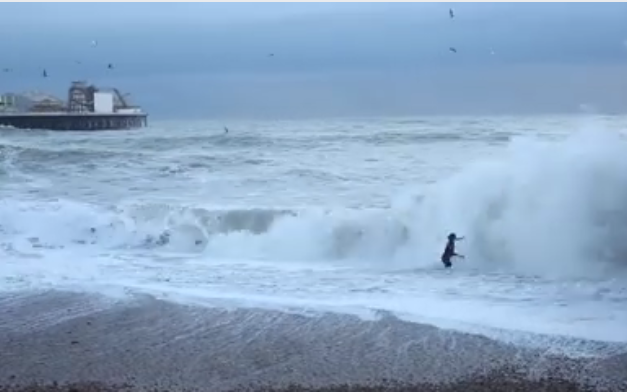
(348, 216)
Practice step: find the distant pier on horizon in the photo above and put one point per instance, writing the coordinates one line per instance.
(87, 109)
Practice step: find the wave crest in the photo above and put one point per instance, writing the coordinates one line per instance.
(551, 208)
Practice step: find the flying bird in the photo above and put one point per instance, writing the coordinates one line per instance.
(45, 74)
(452, 49)
(450, 13)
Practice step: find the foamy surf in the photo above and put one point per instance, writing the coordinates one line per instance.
(542, 217)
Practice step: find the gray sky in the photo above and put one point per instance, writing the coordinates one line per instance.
(331, 59)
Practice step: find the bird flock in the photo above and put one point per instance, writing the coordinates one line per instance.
(44, 72)
(452, 15)
(110, 66)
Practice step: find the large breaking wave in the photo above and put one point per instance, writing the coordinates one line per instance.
(545, 207)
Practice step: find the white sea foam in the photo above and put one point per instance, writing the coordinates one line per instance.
(543, 217)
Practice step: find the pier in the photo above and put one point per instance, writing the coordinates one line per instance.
(73, 121)
(87, 109)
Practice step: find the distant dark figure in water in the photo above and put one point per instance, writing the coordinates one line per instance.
(449, 251)
(164, 239)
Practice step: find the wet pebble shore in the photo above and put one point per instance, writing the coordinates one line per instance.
(57, 341)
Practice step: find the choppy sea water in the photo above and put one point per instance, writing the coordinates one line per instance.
(347, 216)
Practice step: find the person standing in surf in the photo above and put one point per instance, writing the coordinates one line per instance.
(449, 251)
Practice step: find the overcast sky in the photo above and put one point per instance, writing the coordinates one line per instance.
(330, 59)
